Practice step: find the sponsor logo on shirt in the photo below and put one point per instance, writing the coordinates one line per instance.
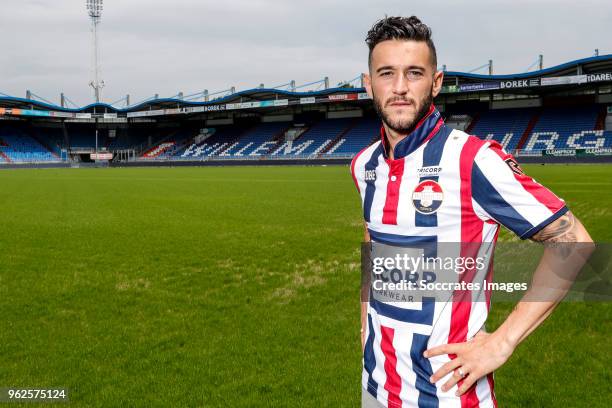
(429, 171)
(514, 166)
(369, 175)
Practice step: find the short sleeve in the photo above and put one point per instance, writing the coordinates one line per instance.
(503, 193)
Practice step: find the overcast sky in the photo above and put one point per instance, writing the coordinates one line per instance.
(155, 46)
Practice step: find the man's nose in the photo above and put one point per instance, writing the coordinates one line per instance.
(400, 85)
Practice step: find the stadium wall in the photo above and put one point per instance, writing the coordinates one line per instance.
(275, 162)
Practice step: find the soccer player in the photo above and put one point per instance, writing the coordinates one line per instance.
(423, 181)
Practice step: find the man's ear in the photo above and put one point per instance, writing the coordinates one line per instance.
(437, 83)
(367, 82)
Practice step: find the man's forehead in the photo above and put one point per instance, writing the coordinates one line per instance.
(401, 53)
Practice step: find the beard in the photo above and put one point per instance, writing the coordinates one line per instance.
(403, 126)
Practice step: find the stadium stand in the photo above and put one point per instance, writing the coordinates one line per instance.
(567, 128)
(363, 133)
(505, 126)
(84, 138)
(256, 141)
(51, 138)
(159, 150)
(528, 129)
(19, 147)
(134, 138)
(222, 138)
(314, 140)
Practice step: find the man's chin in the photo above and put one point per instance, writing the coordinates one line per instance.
(401, 128)
(402, 124)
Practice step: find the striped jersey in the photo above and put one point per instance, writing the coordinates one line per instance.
(443, 186)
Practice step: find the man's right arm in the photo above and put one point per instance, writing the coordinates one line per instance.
(364, 305)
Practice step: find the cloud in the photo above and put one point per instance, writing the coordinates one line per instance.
(164, 47)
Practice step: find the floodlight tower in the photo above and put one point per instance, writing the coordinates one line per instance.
(94, 9)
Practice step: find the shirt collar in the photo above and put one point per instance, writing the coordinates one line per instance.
(427, 127)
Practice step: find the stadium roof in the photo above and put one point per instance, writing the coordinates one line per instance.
(591, 65)
(602, 63)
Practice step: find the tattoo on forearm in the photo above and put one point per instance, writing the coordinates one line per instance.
(561, 230)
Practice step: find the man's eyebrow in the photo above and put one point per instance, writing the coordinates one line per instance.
(391, 67)
(385, 67)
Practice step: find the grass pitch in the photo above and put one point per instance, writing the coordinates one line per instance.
(234, 287)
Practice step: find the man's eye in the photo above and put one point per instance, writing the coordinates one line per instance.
(385, 73)
(415, 73)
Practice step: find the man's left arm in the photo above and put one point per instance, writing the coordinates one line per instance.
(487, 352)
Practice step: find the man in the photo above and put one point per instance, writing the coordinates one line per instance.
(425, 181)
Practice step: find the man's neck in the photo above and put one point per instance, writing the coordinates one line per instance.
(393, 138)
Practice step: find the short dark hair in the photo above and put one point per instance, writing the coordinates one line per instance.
(400, 28)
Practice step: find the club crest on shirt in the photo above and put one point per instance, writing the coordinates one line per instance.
(427, 197)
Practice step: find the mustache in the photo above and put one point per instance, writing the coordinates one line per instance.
(399, 99)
